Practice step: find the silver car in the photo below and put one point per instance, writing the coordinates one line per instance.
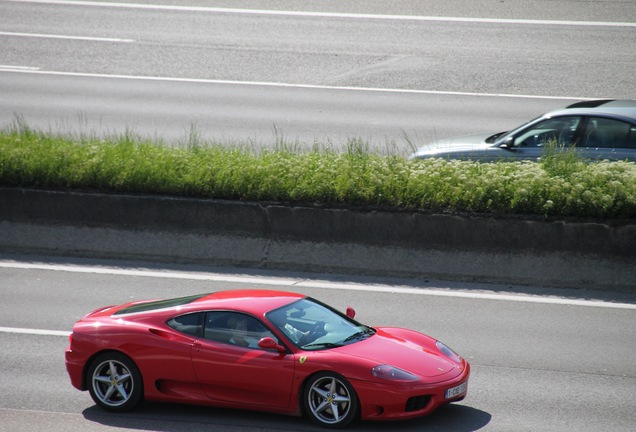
(599, 129)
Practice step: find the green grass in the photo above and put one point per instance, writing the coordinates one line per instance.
(560, 185)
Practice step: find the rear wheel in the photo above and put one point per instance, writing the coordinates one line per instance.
(115, 382)
(330, 400)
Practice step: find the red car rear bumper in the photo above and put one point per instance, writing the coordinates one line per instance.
(75, 369)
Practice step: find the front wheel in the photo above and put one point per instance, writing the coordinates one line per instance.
(115, 382)
(330, 401)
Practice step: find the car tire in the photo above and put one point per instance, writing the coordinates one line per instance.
(114, 382)
(330, 401)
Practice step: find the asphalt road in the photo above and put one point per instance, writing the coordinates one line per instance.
(551, 360)
(256, 115)
(308, 71)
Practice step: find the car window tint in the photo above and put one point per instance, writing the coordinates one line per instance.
(191, 324)
(607, 133)
(559, 130)
(159, 304)
(235, 328)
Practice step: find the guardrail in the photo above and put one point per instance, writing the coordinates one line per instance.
(517, 250)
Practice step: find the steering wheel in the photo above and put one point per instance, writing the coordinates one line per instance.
(317, 331)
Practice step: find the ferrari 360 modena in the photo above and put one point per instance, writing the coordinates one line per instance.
(261, 350)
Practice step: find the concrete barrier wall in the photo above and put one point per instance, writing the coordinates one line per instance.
(274, 236)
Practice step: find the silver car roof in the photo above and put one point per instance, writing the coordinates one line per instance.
(615, 108)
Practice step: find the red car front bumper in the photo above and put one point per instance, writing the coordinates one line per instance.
(392, 402)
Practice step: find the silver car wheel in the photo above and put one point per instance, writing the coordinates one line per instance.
(330, 400)
(115, 382)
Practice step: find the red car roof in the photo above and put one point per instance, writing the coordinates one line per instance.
(253, 301)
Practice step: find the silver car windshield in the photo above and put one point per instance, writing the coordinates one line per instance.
(501, 137)
(560, 130)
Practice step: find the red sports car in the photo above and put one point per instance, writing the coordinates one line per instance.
(262, 350)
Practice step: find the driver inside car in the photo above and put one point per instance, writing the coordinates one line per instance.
(297, 335)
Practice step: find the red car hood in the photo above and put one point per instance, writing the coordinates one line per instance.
(408, 350)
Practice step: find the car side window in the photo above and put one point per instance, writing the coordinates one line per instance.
(235, 328)
(608, 133)
(559, 130)
(191, 324)
(631, 139)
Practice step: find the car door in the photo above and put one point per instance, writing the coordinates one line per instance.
(607, 138)
(241, 374)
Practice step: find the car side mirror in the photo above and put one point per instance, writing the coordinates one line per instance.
(351, 313)
(270, 344)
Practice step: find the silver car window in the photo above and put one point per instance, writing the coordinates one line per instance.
(608, 133)
(559, 130)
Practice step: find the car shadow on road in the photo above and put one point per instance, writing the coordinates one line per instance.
(163, 417)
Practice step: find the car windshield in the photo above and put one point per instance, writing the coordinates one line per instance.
(501, 137)
(312, 325)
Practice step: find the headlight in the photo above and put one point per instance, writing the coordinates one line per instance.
(448, 352)
(391, 373)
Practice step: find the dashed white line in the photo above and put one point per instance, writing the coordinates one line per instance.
(38, 332)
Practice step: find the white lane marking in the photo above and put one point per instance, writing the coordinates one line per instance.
(308, 14)
(19, 68)
(26, 69)
(20, 412)
(293, 282)
(52, 36)
(34, 331)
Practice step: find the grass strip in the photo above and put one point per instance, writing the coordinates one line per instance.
(559, 185)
